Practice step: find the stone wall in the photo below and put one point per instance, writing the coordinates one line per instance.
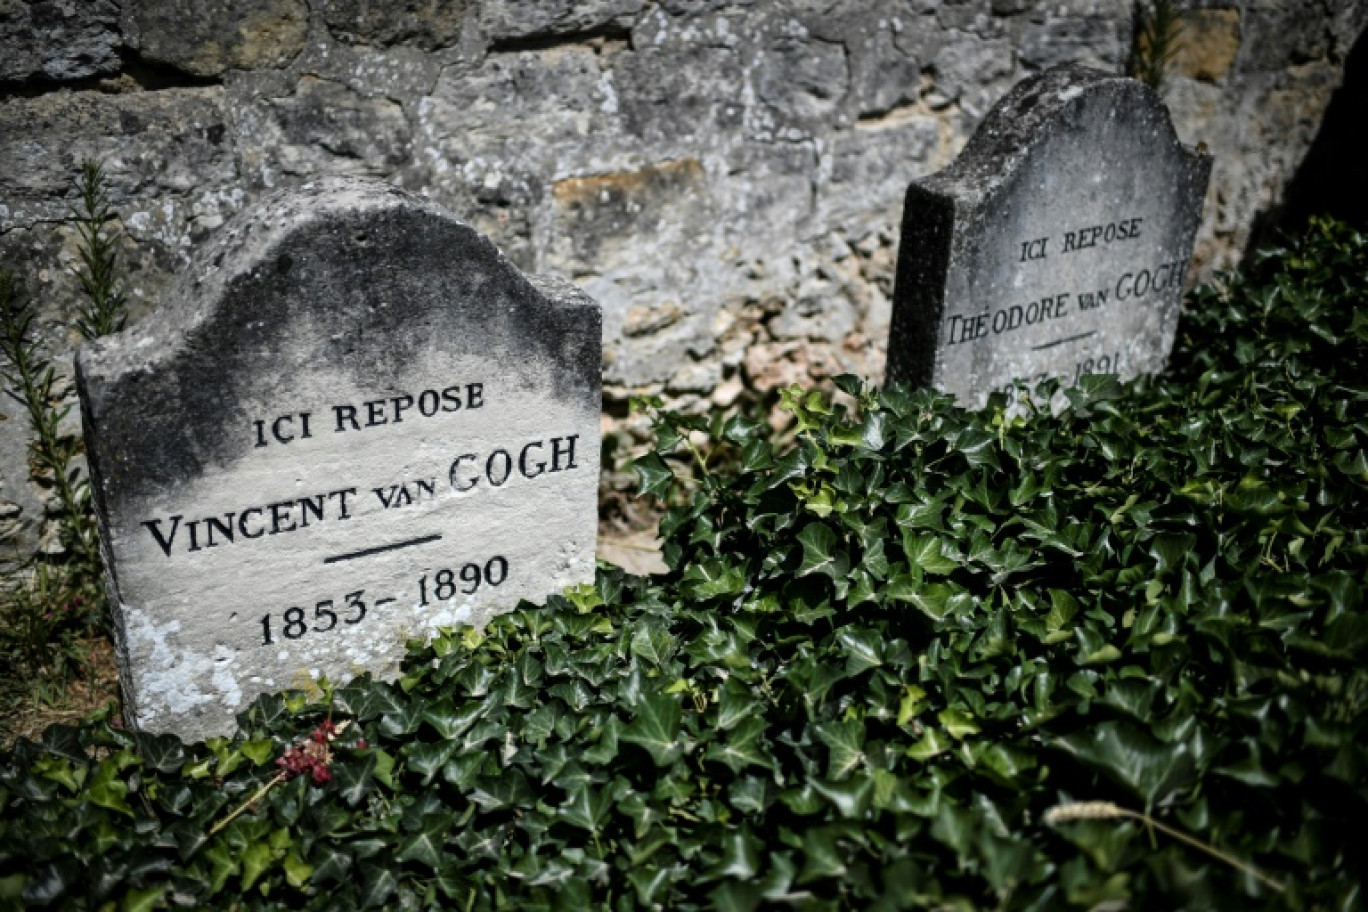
(725, 177)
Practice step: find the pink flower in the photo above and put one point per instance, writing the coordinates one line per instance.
(312, 756)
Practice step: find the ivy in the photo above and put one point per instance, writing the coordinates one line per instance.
(920, 657)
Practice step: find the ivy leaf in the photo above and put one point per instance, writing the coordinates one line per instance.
(823, 858)
(107, 790)
(741, 747)
(820, 553)
(863, 649)
(62, 771)
(384, 767)
(654, 477)
(448, 721)
(851, 798)
(606, 750)
(653, 642)
(1007, 763)
(587, 807)
(163, 753)
(427, 760)
(933, 599)
(649, 883)
(734, 896)
(1127, 755)
(365, 699)
(50, 881)
(1347, 635)
(65, 742)
(378, 884)
(912, 700)
(259, 751)
(932, 744)
(741, 853)
(735, 703)
(656, 729)
(927, 552)
(958, 723)
(1170, 551)
(354, 778)
(845, 746)
(256, 859)
(223, 864)
(144, 900)
(756, 454)
(1063, 607)
(330, 864)
(713, 578)
(425, 845)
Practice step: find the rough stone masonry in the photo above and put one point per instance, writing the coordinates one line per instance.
(726, 178)
(1055, 246)
(352, 422)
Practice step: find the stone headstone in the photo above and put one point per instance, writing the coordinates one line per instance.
(352, 423)
(1055, 245)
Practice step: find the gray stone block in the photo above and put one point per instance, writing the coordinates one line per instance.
(352, 423)
(801, 81)
(58, 40)
(1055, 246)
(506, 19)
(324, 127)
(424, 24)
(1098, 41)
(209, 37)
(152, 144)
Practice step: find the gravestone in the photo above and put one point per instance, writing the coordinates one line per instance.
(353, 422)
(1055, 245)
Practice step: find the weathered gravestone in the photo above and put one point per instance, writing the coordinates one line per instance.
(1055, 245)
(353, 422)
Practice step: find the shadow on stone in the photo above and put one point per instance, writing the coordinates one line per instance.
(1333, 178)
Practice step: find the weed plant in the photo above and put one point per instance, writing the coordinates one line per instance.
(102, 311)
(1156, 40)
(47, 621)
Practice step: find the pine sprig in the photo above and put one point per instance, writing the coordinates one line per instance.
(64, 597)
(1157, 40)
(103, 310)
(31, 381)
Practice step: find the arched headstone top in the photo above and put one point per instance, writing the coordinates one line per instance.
(1055, 245)
(354, 421)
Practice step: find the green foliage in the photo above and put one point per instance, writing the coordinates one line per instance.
(61, 600)
(31, 381)
(1156, 39)
(102, 310)
(56, 602)
(41, 645)
(882, 659)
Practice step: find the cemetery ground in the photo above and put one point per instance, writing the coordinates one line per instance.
(921, 657)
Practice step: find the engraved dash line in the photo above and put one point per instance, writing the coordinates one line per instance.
(1063, 341)
(367, 552)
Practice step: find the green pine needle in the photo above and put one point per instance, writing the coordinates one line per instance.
(1157, 40)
